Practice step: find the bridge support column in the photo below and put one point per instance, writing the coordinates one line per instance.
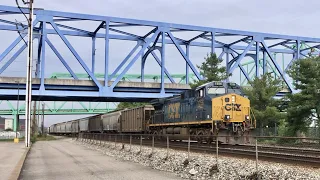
(106, 58)
(213, 42)
(104, 91)
(93, 54)
(298, 48)
(264, 63)
(15, 121)
(227, 64)
(142, 66)
(163, 50)
(39, 53)
(187, 66)
(257, 63)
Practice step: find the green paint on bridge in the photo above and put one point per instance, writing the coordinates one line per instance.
(128, 77)
(250, 65)
(55, 108)
(62, 109)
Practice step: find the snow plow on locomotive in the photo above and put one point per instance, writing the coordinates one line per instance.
(213, 109)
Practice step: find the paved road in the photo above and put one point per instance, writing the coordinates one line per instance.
(10, 157)
(61, 159)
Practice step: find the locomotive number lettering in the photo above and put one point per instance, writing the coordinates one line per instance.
(234, 107)
(173, 112)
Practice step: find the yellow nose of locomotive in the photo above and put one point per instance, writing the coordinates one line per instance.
(231, 108)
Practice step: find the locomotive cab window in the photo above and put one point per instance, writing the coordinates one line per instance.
(200, 93)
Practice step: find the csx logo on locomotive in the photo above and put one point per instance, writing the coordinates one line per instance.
(234, 107)
(173, 111)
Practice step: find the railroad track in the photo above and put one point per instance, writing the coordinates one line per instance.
(278, 149)
(296, 156)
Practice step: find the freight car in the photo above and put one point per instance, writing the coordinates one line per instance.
(123, 121)
(215, 108)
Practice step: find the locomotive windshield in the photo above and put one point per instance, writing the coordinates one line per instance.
(216, 90)
(236, 91)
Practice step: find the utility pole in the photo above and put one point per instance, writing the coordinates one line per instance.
(29, 75)
(38, 115)
(42, 124)
(17, 118)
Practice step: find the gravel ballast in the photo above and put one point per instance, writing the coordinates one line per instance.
(201, 166)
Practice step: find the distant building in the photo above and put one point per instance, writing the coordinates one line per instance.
(7, 123)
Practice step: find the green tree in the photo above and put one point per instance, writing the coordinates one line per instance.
(123, 105)
(263, 104)
(211, 70)
(305, 104)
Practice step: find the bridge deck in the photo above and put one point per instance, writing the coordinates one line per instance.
(71, 89)
(89, 83)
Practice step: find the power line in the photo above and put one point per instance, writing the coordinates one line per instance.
(19, 23)
(21, 9)
(19, 31)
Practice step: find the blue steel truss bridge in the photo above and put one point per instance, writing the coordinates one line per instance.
(70, 108)
(171, 47)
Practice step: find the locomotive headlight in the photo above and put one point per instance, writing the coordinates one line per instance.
(247, 117)
(227, 117)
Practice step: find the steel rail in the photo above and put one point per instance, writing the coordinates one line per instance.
(296, 156)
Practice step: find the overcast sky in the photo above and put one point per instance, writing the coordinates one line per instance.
(295, 17)
(291, 17)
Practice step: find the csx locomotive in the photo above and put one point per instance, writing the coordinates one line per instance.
(215, 108)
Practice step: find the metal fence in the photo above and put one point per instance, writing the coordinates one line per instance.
(311, 132)
(286, 149)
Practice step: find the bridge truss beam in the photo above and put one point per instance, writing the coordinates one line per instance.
(250, 65)
(234, 44)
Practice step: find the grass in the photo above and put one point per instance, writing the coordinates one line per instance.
(9, 140)
(46, 138)
(42, 138)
